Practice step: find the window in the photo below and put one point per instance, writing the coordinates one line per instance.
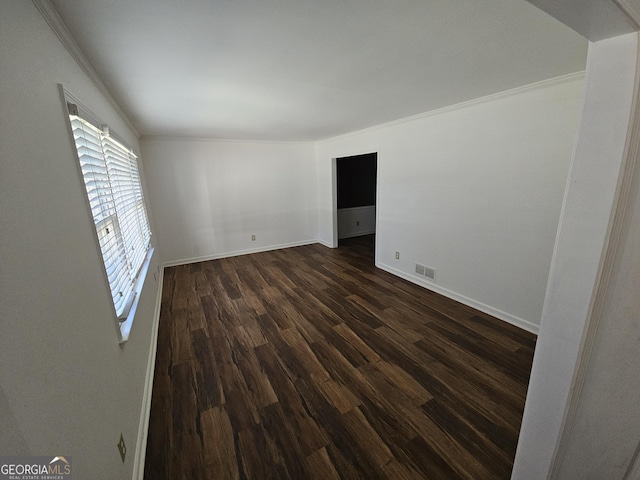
(112, 182)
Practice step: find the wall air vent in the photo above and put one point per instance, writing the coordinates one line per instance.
(428, 272)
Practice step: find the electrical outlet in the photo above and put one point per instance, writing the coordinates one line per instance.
(397, 255)
(253, 238)
(122, 448)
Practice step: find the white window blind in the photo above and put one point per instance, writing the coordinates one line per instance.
(112, 181)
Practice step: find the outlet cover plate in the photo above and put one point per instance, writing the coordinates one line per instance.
(122, 448)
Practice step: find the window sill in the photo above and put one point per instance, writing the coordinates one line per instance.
(124, 327)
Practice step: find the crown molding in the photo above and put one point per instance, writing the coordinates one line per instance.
(631, 8)
(487, 98)
(58, 27)
(186, 138)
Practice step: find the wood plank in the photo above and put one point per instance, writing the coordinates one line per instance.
(218, 444)
(320, 467)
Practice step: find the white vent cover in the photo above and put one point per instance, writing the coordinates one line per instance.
(428, 272)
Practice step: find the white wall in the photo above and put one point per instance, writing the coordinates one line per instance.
(67, 386)
(209, 197)
(575, 273)
(356, 221)
(473, 191)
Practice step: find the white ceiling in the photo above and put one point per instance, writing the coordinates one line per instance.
(310, 69)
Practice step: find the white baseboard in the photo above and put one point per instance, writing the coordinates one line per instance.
(236, 253)
(356, 234)
(326, 244)
(470, 302)
(143, 427)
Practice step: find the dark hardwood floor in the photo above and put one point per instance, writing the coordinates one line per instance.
(311, 363)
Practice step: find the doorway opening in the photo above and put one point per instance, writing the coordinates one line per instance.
(356, 192)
